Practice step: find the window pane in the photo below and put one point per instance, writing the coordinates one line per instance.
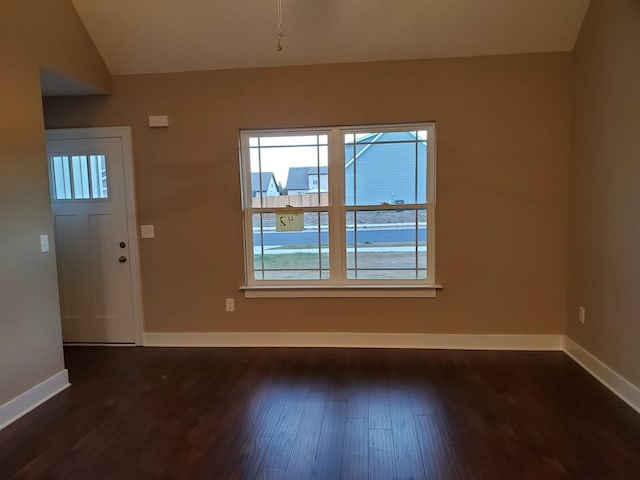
(289, 170)
(291, 255)
(61, 178)
(293, 140)
(386, 244)
(80, 177)
(98, 176)
(385, 168)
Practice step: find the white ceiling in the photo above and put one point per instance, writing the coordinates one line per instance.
(153, 36)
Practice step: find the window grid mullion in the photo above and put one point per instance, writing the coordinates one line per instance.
(355, 215)
(90, 177)
(262, 269)
(319, 203)
(417, 230)
(337, 236)
(430, 168)
(417, 159)
(246, 210)
(260, 173)
(245, 159)
(72, 177)
(319, 246)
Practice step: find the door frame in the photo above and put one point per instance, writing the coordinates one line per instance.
(124, 134)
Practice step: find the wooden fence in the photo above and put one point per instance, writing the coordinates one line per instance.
(307, 200)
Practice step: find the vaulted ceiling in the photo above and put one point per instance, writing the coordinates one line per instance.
(152, 36)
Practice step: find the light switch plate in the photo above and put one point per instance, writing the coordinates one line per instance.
(44, 243)
(147, 231)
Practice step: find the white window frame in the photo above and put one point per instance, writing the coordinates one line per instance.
(339, 285)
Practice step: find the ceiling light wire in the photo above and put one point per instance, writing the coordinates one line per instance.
(279, 46)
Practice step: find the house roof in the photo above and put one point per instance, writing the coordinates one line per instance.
(363, 144)
(298, 177)
(266, 178)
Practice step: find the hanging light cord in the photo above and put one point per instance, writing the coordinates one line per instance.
(280, 47)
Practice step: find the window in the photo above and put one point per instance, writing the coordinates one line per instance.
(368, 222)
(79, 177)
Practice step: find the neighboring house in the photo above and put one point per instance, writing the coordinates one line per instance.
(301, 180)
(264, 185)
(381, 172)
(379, 168)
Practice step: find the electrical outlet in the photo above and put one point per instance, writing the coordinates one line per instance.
(581, 314)
(230, 305)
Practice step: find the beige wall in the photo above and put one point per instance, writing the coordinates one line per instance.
(604, 233)
(32, 33)
(503, 152)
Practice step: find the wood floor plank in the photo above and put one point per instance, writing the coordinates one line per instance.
(438, 452)
(275, 413)
(302, 459)
(355, 455)
(381, 455)
(331, 445)
(408, 459)
(286, 430)
(379, 408)
(358, 402)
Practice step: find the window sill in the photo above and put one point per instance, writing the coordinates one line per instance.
(328, 291)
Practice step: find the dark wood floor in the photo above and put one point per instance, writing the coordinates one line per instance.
(135, 413)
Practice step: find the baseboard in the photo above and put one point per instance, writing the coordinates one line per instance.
(27, 401)
(611, 379)
(353, 340)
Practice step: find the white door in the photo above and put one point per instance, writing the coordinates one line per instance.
(96, 251)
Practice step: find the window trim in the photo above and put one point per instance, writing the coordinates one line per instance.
(323, 291)
(336, 210)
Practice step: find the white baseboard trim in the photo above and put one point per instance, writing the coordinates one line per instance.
(611, 379)
(27, 401)
(353, 340)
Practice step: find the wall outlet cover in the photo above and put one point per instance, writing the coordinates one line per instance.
(230, 305)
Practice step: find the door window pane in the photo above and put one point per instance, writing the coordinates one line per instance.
(99, 176)
(61, 178)
(80, 177)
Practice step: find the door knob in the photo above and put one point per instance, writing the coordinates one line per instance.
(122, 259)
(122, 244)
